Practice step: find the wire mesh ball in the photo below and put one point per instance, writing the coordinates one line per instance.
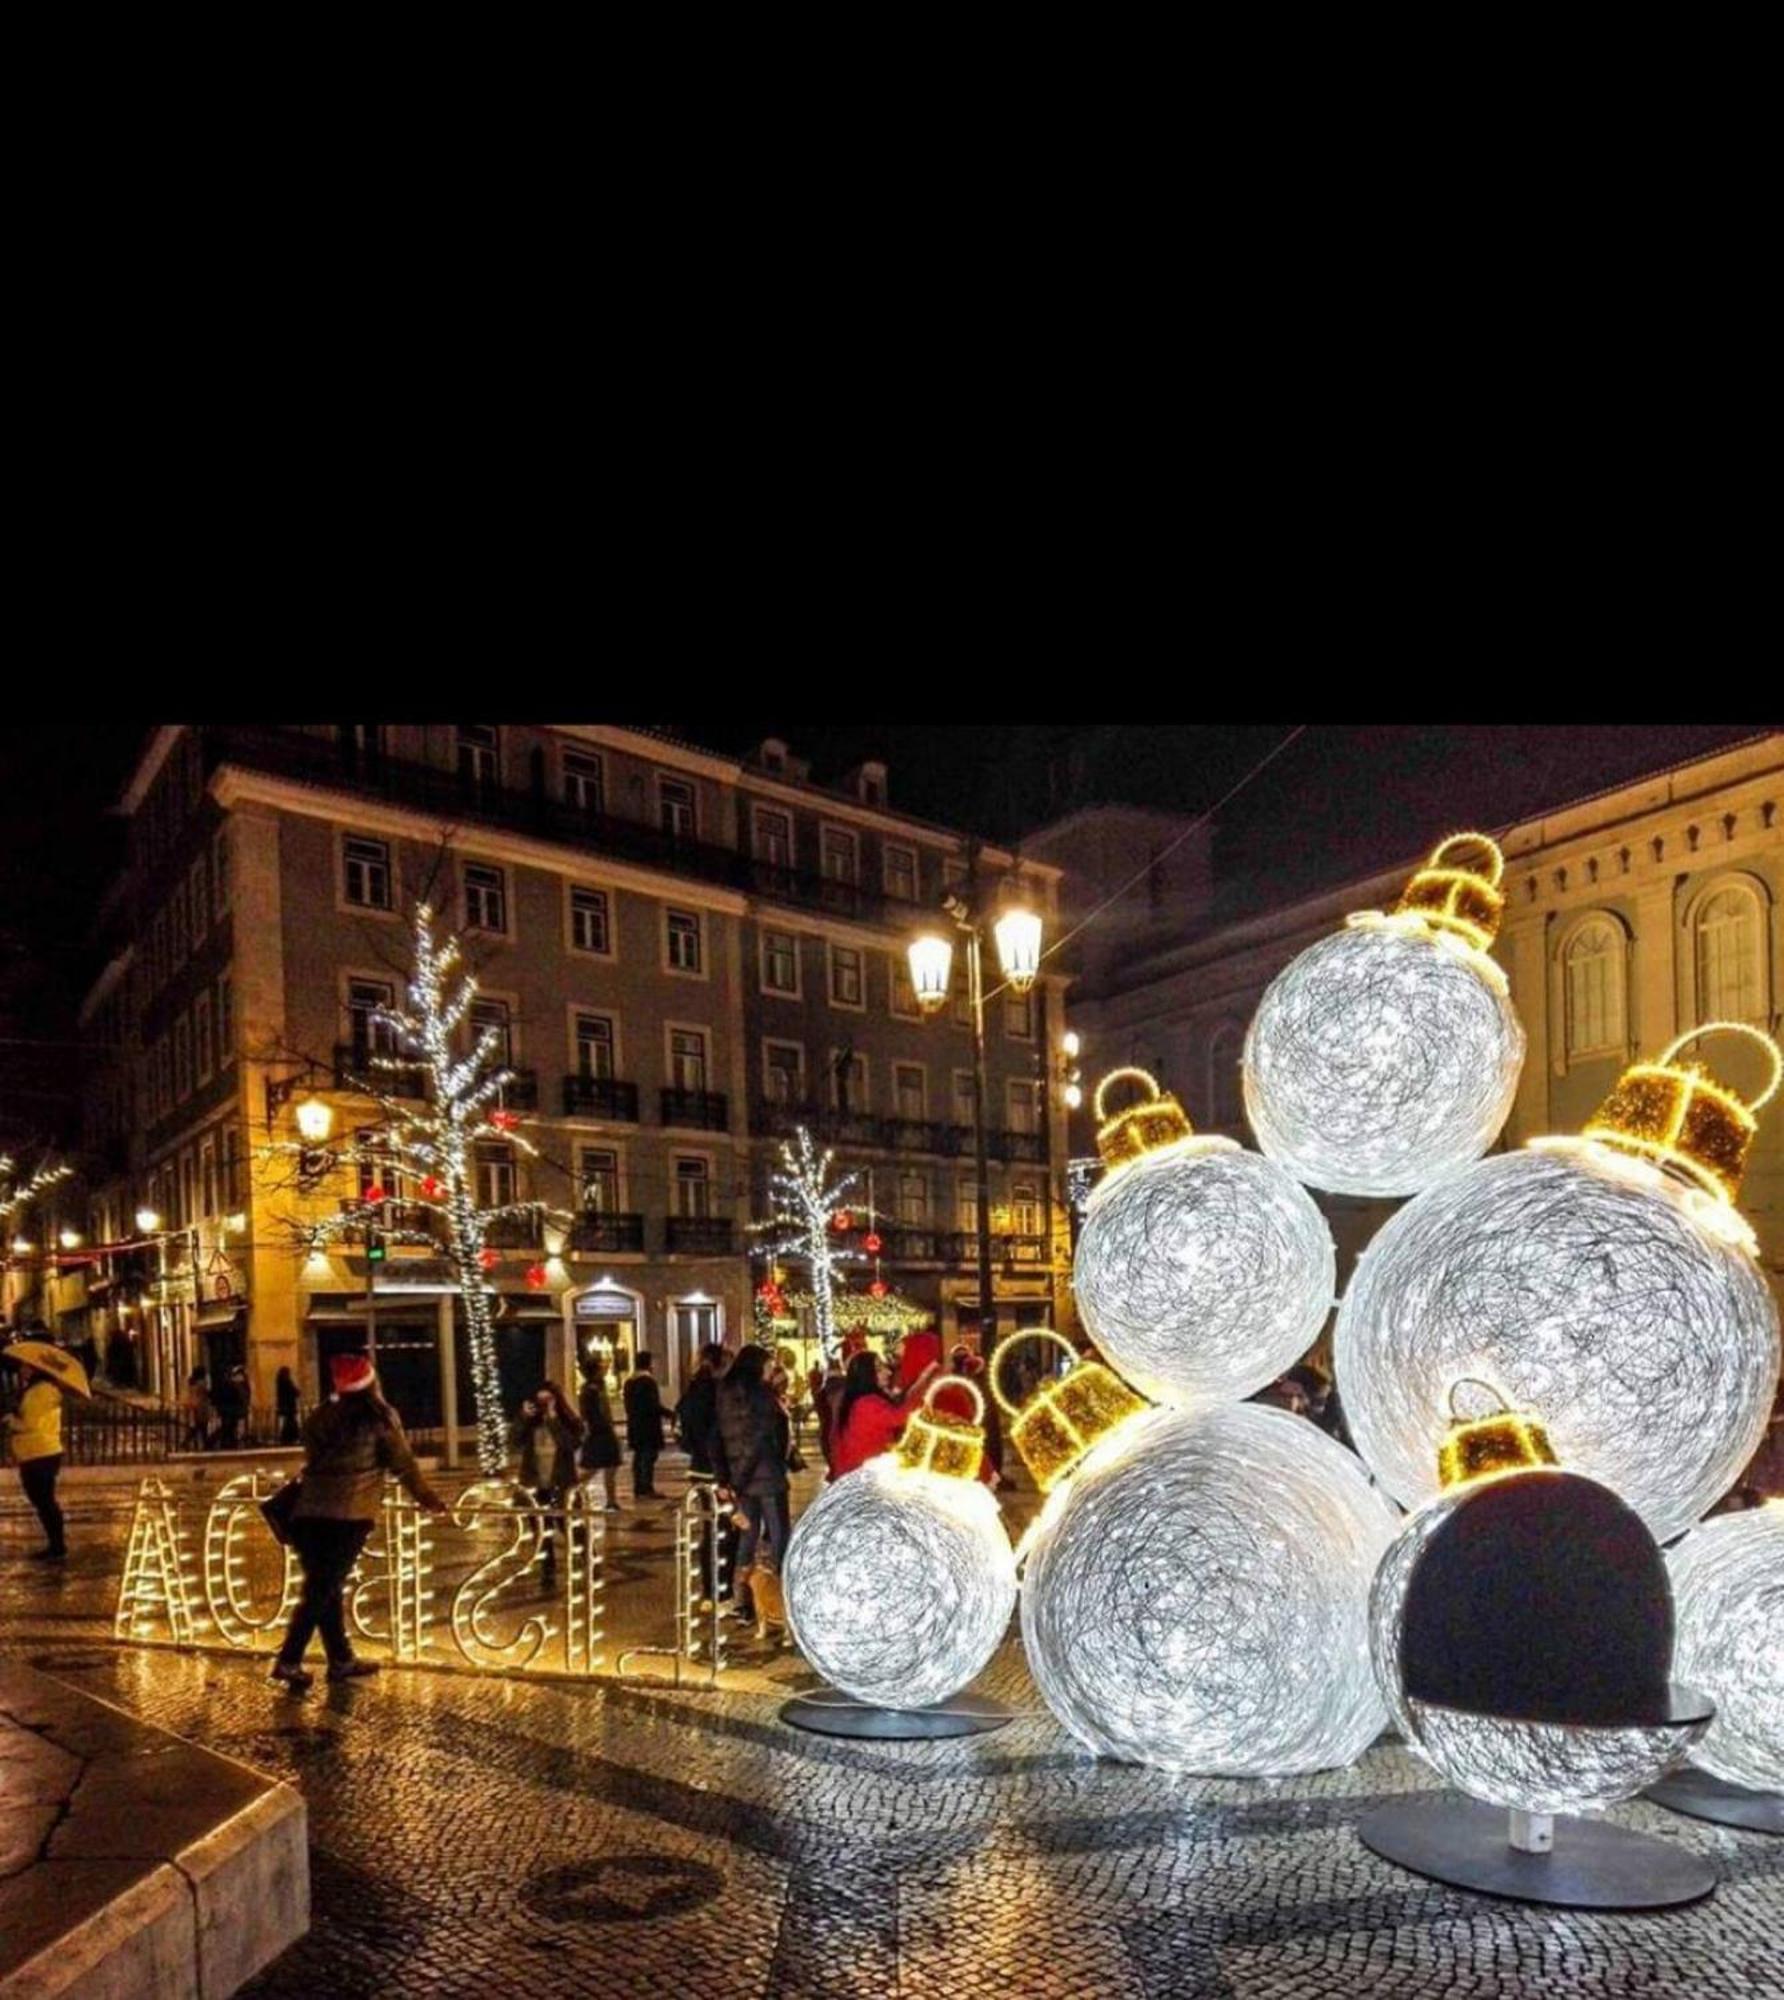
(1585, 1288)
(900, 1584)
(1728, 1586)
(1379, 1062)
(1195, 1597)
(1203, 1272)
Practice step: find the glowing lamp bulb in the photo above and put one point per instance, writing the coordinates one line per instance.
(315, 1120)
(1018, 934)
(1070, 1043)
(931, 956)
(148, 1221)
(70, 1239)
(21, 1246)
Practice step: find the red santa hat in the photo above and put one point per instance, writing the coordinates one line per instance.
(351, 1372)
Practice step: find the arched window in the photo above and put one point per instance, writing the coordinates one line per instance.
(1729, 935)
(1592, 968)
(1226, 1098)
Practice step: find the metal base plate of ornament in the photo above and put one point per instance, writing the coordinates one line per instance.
(829, 1712)
(1592, 1866)
(1705, 1796)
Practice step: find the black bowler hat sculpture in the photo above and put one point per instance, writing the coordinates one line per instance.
(1521, 1629)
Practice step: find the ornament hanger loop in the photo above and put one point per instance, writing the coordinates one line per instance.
(1003, 1354)
(956, 1383)
(1735, 1028)
(1494, 871)
(1460, 1416)
(1116, 1076)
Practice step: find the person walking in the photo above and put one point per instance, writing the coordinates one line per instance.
(827, 1397)
(546, 1435)
(285, 1400)
(36, 1430)
(600, 1441)
(697, 1418)
(753, 1443)
(197, 1405)
(870, 1418)
(231, 1407)
(644, 1428)
(350, 1442)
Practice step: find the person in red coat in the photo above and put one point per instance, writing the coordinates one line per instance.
(870, 1418)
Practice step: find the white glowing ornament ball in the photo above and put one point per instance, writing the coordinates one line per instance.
(900, 1583)
(1202, 1270)
(1728, 1587)
(1387, 1056)
(1605, 1281)
(1195, 1595)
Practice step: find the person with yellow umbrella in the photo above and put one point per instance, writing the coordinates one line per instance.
(37, 1431)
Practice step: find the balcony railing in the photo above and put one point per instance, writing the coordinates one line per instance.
(445, 794)
(600, 1097)
(514, 1232)
(702, 1109)
(390, 1216)
(907, 1244)
(356, 1069)
(920, 1135)
(521, 1091)
(599, 1234)
(699, 1235)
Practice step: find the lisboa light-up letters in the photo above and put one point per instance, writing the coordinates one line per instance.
(186, 1588)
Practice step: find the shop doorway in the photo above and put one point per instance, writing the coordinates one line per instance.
(605, 1321)
(692, 1323)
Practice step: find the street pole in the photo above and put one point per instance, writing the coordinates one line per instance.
(987, 1312)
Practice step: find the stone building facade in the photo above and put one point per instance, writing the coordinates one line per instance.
(683, 955)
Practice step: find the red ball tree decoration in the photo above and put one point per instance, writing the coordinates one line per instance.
(488, 1259)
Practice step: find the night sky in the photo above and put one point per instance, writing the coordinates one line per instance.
(1339, 801)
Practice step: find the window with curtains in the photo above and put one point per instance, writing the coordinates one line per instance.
(1593, 981)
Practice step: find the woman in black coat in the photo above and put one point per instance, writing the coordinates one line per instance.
(600, 1444)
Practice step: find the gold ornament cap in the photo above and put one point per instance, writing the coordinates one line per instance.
(1457, 890)
(1678, 1114)
(1503, 1440)
(1056, 1426)
(938, 1441)
(1142, 1128)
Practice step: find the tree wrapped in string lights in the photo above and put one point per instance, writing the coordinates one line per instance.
(428, 1142)
(806, 1203)
(17, 1195)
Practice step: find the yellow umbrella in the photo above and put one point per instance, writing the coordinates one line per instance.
(61, 1368)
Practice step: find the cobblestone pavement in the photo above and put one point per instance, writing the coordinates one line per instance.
(485, 1837)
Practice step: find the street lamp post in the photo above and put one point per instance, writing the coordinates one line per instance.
(1018, 934)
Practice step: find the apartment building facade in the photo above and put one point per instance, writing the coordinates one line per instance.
(1630, 916)
(679, 954)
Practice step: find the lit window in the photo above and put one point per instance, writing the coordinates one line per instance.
(584, 788)
(684, 940)
(693, 1188)
(780, 962)
(369, 1033)
(675, 808)
(588, 921)
(904, 994)
(367, 872)
(1731, 981)
(1593, 975)
(486, 897)
(1025, 1209)
(845, 976)
(784, 1063)
(599, 1175)
(594, 1046)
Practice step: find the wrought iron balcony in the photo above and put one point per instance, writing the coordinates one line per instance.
(356, 1068)
(699, 1235)
(521, 1091)
(514, 1232)
(705, 1110)
(600, 1097)
(596, 1232)
(907, 1244)
(918, 1135)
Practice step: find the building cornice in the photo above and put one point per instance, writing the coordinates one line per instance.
(233, 786)
(104, 986)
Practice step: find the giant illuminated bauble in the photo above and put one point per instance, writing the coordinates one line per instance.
(1202, 1271)
(1728, 1586)
(1195, 1595)
(1379, 1061)
(1591, 1287)
(899, 1584)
